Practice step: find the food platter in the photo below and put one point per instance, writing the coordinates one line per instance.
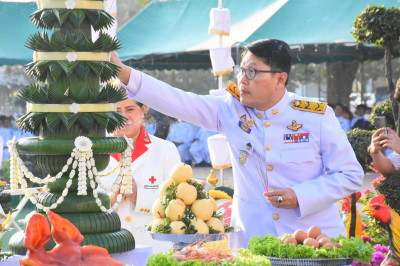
(309, 261)
(181, 241)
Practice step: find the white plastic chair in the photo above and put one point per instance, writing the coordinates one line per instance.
(20, 206)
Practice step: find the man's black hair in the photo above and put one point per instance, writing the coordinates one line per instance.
(274, 53)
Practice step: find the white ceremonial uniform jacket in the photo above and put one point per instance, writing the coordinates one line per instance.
(321, 170)
(394, 157)
(149, 170)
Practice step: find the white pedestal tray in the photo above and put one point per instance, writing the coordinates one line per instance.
(181, 241)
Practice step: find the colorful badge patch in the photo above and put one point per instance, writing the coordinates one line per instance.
(243, 157)
(294, 126)
(250, 122)
(248, 146)
(296, 137)
(243, 124)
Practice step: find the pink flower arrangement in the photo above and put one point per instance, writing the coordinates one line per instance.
(377, 181)
(372, 167)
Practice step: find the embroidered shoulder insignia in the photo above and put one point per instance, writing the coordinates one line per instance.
(315, 107)
(233, 89)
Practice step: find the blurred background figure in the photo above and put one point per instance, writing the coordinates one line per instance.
(1, 151)
(361, 119)
(7, 132)
(160, 124)
(342, 114)
(182, 134)
(199, 148)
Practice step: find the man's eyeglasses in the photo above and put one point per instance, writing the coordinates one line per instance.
(250, 72)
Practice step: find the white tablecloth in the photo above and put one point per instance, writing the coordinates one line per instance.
(137, 257)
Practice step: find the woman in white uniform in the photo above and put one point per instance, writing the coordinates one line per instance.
(152, 160)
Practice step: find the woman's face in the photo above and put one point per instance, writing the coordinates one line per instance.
(135, 115)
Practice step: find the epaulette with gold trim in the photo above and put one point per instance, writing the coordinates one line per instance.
(315, 107)
(233, 89)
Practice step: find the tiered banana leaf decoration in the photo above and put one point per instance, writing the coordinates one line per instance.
(67, 102)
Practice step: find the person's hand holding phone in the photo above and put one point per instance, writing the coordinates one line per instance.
(384, 138)
(381, 122)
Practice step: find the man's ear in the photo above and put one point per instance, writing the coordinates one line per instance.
(282, 78)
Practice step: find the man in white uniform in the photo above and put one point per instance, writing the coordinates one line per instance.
(291, 160)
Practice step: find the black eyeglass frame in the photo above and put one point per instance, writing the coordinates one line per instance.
(240, 70)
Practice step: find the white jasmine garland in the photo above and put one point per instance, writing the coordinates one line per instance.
(60, 200)
(81, 157)
(83, 144)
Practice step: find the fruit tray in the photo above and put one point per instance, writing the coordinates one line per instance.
(309, 261)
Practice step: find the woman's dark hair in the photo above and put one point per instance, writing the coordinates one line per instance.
(138, 103)
(274, 53)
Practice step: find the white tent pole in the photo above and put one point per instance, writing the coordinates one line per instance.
(220, 45)
(221, 171)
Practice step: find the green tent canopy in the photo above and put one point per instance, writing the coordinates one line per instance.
(15, 27)
(178, 26)
(174, 34)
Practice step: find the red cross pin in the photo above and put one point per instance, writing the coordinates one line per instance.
(152, 180)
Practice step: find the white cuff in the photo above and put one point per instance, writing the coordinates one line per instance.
(135, 80)
(394, 157)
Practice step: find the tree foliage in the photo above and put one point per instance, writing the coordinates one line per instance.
(378, 25)
(383, 109)
(359, 140)
(390, 187)
(381, 26)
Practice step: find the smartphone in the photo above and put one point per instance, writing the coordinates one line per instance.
(380, 121)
